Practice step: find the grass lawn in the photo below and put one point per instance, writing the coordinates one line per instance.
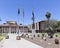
(57, 34)
(2, 36)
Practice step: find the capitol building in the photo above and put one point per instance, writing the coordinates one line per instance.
(12, 27)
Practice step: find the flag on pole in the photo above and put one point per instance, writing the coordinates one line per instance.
(32, 15)
(23, 13)
(18, 11)
(32, 12)
(33, 25)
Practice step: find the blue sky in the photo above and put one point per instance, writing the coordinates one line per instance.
(8, 10)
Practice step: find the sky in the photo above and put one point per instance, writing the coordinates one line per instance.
(9, 10)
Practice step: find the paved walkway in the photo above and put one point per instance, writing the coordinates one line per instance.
(13, 43)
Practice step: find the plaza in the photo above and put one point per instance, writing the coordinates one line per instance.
(13, 43)
(28, 42)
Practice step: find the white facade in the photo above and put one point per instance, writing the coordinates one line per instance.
(12, 27)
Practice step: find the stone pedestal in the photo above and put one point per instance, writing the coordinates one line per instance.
(18, 38)
(7, 37)
(33, 32)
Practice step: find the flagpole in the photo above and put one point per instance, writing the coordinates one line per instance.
(33, 25)
(18, 20)
(23, 24)
(18, 25)
(23, 20)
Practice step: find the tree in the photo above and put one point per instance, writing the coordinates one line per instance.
(58, 23)
(48, 15)
(53, 24)
(58, 26)
(50, 33)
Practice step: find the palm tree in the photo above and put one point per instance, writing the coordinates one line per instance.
(48, 15)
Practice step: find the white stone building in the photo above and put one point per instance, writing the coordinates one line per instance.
(12, 27)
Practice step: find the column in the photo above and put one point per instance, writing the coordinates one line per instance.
(35, 26)
(2, 29)
(38, 26)
(16, 29)
(9, 29)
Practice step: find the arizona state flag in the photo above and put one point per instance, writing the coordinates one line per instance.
(18, 11)
(23, 13)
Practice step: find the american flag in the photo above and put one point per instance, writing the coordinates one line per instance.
(18, 11)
